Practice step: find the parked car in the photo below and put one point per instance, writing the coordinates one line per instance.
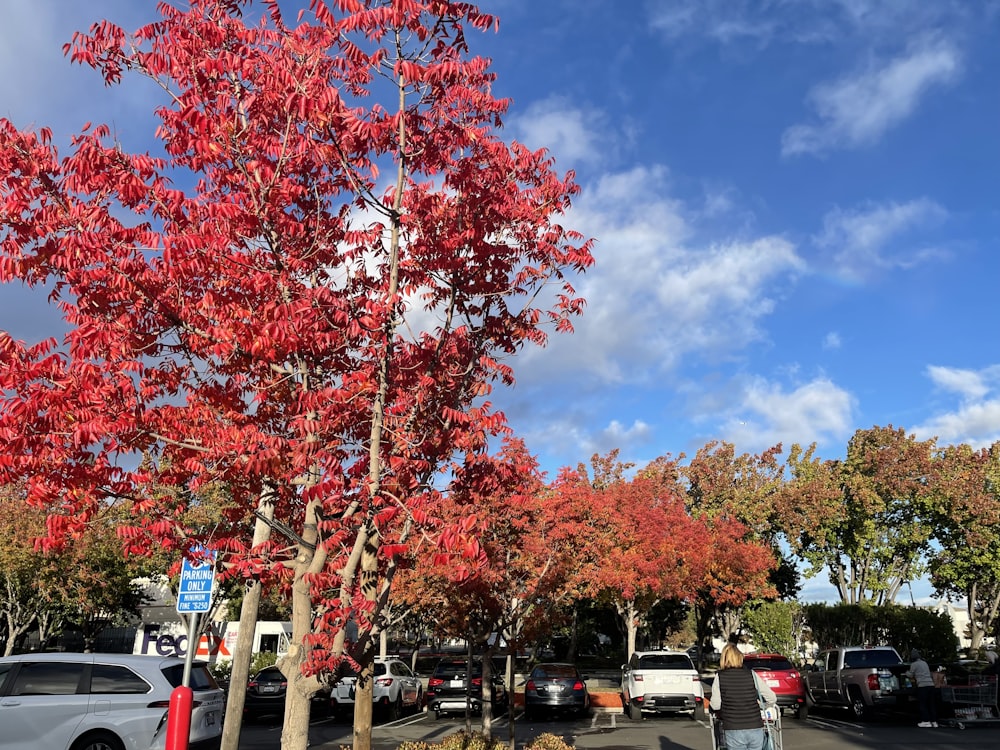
(553, 687)
(266, 693)
(783, 678)
(661, 682)
(447, 690)
(394, 689)
(59, 701)
(861, 678)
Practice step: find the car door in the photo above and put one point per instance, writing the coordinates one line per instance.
(816, 678)
(43, 704)
(409, 684)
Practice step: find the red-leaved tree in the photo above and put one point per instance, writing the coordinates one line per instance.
(305, 299)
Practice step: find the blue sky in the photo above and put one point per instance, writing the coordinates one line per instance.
(794, 203)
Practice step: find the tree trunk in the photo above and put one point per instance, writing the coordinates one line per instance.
(468, 686)
(310, 558)
(243, 650)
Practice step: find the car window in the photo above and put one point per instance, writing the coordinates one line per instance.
(451, 670)
(48, 678)
(399, 669)
(4, 671)
(870, 658)
(109, 678)
(379, 668)
(201, 678)
(774, 665)
(665, 661)
(543, 671)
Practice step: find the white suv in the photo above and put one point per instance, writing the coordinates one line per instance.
(63, 701)
(661, 682)
(395, 688)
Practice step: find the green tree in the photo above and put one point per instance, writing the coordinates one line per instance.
(965, 509)
(775, 626)
(863, 519)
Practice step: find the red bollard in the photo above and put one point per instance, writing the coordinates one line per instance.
(179, 718)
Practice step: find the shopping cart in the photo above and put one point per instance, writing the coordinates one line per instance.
(975, 703)
(771, 716)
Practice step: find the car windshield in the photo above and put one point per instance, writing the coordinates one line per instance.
(553, 671)
(347, 670)
(452, 670)
(201, 678)
(871, 658)
(665, 661)
(771, 665)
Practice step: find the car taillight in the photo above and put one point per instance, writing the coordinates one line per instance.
(434, 682)
(478, 681)
(252, 685)
(383, 681)
(637, 676)
(873, 682)
(578, 685)
(159, 704)
(530, 685)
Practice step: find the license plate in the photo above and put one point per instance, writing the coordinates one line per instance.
(773, 683)
(269, 689)
(457, 683)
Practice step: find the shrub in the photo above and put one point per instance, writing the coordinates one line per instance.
(463, 741)
(549, 741)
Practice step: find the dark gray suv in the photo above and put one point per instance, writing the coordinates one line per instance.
(449, 689)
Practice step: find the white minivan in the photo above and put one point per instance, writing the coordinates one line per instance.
(64, 701)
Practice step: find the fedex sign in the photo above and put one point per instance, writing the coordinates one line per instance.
(153, 641)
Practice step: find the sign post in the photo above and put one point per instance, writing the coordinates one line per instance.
(194, 597)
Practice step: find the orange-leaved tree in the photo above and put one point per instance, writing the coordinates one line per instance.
(734, 496)
(644, 547)
(529, 541)
(304, 295)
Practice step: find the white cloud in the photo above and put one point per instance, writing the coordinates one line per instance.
(832, 340)
(656, 294)
(967, 383)
(760, 24)
(766, 414)
(862, 239)
(567, 436)
(976, 419)
(572, 135)
(857, 110)
(977, 424)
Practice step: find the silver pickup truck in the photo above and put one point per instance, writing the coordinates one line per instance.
(857, 677)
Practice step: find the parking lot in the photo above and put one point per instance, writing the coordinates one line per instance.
(823, 730)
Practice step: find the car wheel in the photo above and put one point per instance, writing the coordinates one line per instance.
(98, 741)
(699, 711)
(396, 708)
(802, 712)
(437, 714)
(419, 705)
(858, 708)
(530, 714)
(634, 712)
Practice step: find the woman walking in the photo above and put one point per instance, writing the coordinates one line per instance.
(736, 698)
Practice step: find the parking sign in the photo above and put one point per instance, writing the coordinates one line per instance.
(197, 582)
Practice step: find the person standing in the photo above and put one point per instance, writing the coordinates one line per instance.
(920, 672)
(735, 698)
